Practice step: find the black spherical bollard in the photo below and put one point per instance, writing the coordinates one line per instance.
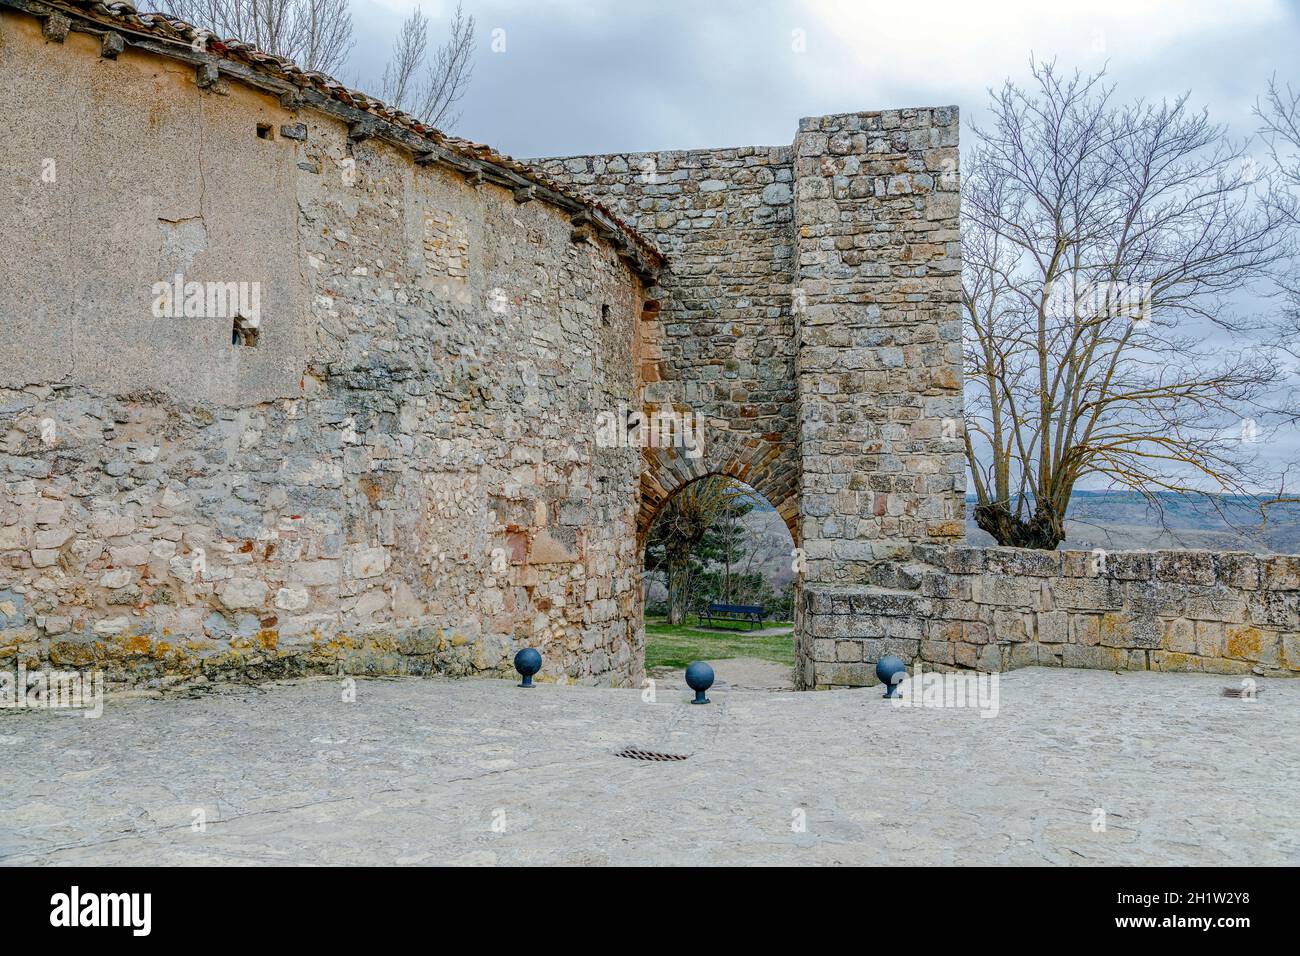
(528, 662)
(699, 678)
(890, 670)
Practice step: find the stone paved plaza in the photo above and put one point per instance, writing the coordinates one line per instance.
(478, 772)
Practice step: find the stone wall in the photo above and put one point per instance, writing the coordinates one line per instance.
(400, 476)
(994, 609)
(810, 311)
(879, 344)
(719, 339)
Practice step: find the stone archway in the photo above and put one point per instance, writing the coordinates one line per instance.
(756, 574)
(758, 463)
(810, 314)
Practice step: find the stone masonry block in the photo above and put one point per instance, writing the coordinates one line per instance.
(1277, 609)
(1156, 597)
(1184, 567)
(1083, 594)
(1099, 657)
(1014, 626)
(1238, 570)
(1123, 629)
(1215, 603)
(848, 651)
(1085, 629)
(1179, 636)
(1017, 562)
(1053, 627)
(938, 652)
(1003, 591)
(1129, 565)
(1280, 572)
(1022, 655)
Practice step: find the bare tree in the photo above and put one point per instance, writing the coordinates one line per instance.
(680, 527)
(1101, 242)
(315, 34)
(408, 54)
(1279, 113)
(427, 88)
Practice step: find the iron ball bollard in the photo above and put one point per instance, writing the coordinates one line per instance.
(699, 678)
(528, 662)
(890, 670)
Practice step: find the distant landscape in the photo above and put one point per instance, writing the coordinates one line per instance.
(1125, 519)
(1120, 520)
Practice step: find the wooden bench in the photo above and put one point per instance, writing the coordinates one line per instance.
(734, 612)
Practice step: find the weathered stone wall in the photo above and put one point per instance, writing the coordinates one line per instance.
(400, 477)
(719, 338)
(810, 313)
(401, 471)
(999, 608)
(879, 337)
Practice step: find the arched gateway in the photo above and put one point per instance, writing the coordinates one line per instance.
(808, 315)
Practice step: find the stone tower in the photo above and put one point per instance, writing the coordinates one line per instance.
(809, 311)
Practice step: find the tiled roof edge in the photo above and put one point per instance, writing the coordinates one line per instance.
(367, 116)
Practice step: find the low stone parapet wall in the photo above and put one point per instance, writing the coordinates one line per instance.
(994, 609)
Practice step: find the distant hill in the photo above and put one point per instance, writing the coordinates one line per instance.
(1119, 520)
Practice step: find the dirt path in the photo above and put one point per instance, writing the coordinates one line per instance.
(761, 632)
(733, 673)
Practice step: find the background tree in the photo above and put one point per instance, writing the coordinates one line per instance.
(1101, 242)
(678, 531)
(1279, 113)
(429, 89)
(315, 34)
(726, 544)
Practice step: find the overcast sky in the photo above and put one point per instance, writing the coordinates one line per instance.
(599, 76)
(580, 76)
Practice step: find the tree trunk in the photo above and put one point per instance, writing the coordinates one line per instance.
(726, 555)
(679, 571)
(1044, 531)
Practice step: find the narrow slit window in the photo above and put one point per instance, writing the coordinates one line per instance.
(604, 313)
(244, 332)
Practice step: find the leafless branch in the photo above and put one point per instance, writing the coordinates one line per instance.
(315, 34)
(1101, 241)
(430, 89)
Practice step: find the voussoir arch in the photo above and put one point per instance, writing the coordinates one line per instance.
(769, 469)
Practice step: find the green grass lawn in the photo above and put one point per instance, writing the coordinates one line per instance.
(667, 645)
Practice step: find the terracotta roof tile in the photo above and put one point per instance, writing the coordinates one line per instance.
(123, 16)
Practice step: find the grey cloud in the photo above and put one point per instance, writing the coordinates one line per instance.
(611, 76)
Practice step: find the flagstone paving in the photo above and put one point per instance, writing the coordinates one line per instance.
(481, 772)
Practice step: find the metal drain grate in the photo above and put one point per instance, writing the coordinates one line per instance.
(633, 753)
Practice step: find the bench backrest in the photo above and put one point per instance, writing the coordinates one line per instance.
(735, 609)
